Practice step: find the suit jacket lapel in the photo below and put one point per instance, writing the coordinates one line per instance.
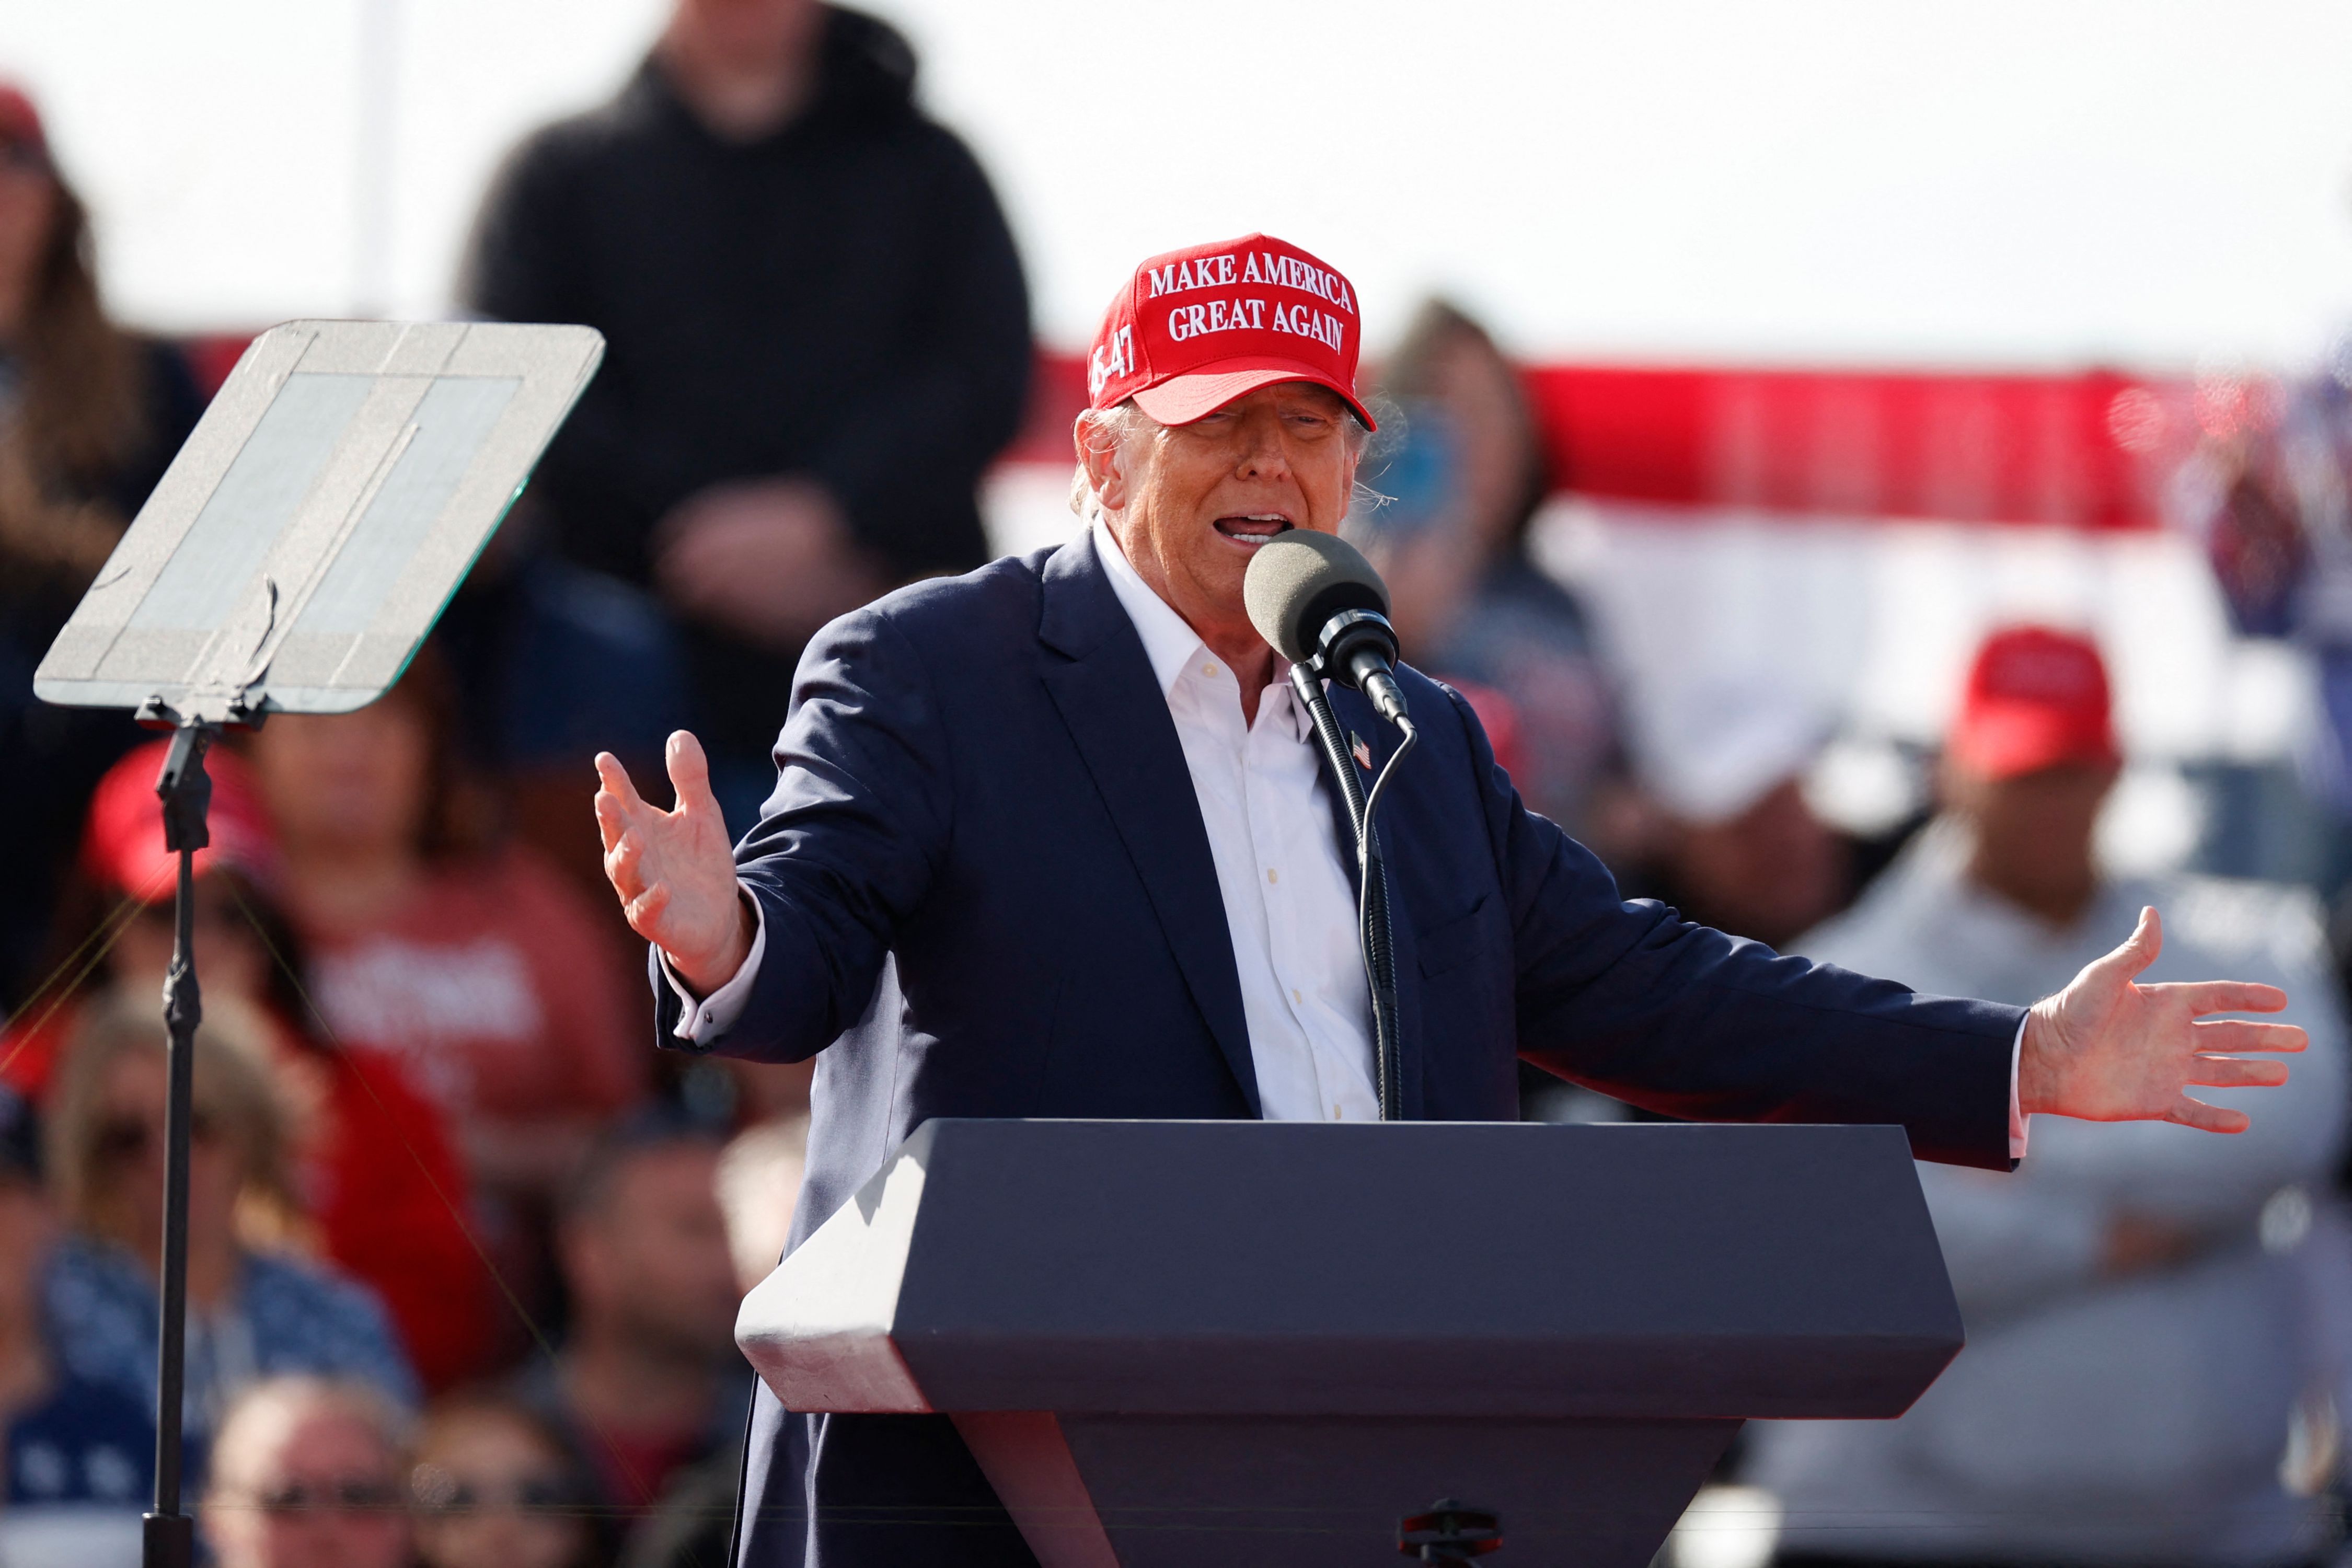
(1096, 672)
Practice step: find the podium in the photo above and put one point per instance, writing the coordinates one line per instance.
(1240, 1343)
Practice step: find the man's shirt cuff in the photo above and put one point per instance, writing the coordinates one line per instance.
(2016, 1054)
(702, 1019)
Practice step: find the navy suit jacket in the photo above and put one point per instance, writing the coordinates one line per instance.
(988, 891)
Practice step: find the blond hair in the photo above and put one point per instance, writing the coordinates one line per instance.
(232, 1087)
(271, 1407)
(1105, 430)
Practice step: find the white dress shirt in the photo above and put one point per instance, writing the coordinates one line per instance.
(1290, 906)
(1290, 909)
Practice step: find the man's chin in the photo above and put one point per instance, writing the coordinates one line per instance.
(1221, 587)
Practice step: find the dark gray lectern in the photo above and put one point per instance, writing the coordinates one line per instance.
(1180, 1342)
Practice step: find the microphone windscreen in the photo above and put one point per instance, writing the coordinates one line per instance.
(1299, 580)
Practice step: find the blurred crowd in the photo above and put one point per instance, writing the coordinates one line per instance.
(465, 1251)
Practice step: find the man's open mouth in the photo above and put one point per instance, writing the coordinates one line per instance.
(1255, 527)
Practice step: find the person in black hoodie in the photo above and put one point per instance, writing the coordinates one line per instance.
(796, 272)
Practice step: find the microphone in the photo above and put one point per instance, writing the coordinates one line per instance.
(1322, 607)
(1318, 602)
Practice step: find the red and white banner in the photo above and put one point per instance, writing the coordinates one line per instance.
(2080, 450)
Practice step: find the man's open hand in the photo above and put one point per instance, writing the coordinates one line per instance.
(674, 870)
(2108, 1049)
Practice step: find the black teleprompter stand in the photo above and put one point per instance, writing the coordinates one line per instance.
(293, 557)
(186, 791)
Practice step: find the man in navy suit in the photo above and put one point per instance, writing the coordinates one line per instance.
(1051, 839)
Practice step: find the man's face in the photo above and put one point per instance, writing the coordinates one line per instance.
(127, 1155)
(347, 782)
(655, 1260)
(495, 1491)
(2036, 826)
(2033, 833)
(1770, 873)
(1192, 504)
(315, 1491)
(757, 29)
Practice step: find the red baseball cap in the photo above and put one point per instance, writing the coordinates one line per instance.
(2036, 698)
(122, 838)
(1195, 329)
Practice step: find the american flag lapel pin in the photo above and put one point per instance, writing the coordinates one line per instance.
(1363, 754)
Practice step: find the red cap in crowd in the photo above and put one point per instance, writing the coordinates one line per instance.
(20, 123)
(2036, 698)
(122, 839)
(1195, 329)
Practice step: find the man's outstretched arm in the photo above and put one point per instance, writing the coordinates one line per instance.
(847, 847)
(1685, 1020)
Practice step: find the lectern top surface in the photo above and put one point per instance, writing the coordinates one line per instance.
(1635, 1272)
(309, 533)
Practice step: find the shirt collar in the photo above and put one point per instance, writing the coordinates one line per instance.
(1168, 643)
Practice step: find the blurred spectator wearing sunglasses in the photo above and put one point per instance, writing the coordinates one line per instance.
(374, 1172)
(305, 1474)
(79, 1455)
(495, 1487)
(253, 1310)
(89, 416)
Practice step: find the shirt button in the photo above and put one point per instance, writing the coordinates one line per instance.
(1272, 875)
(1295, 996)
(1208, 670)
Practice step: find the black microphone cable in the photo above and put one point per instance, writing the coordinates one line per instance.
(1319, 603)
(1374, 933)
